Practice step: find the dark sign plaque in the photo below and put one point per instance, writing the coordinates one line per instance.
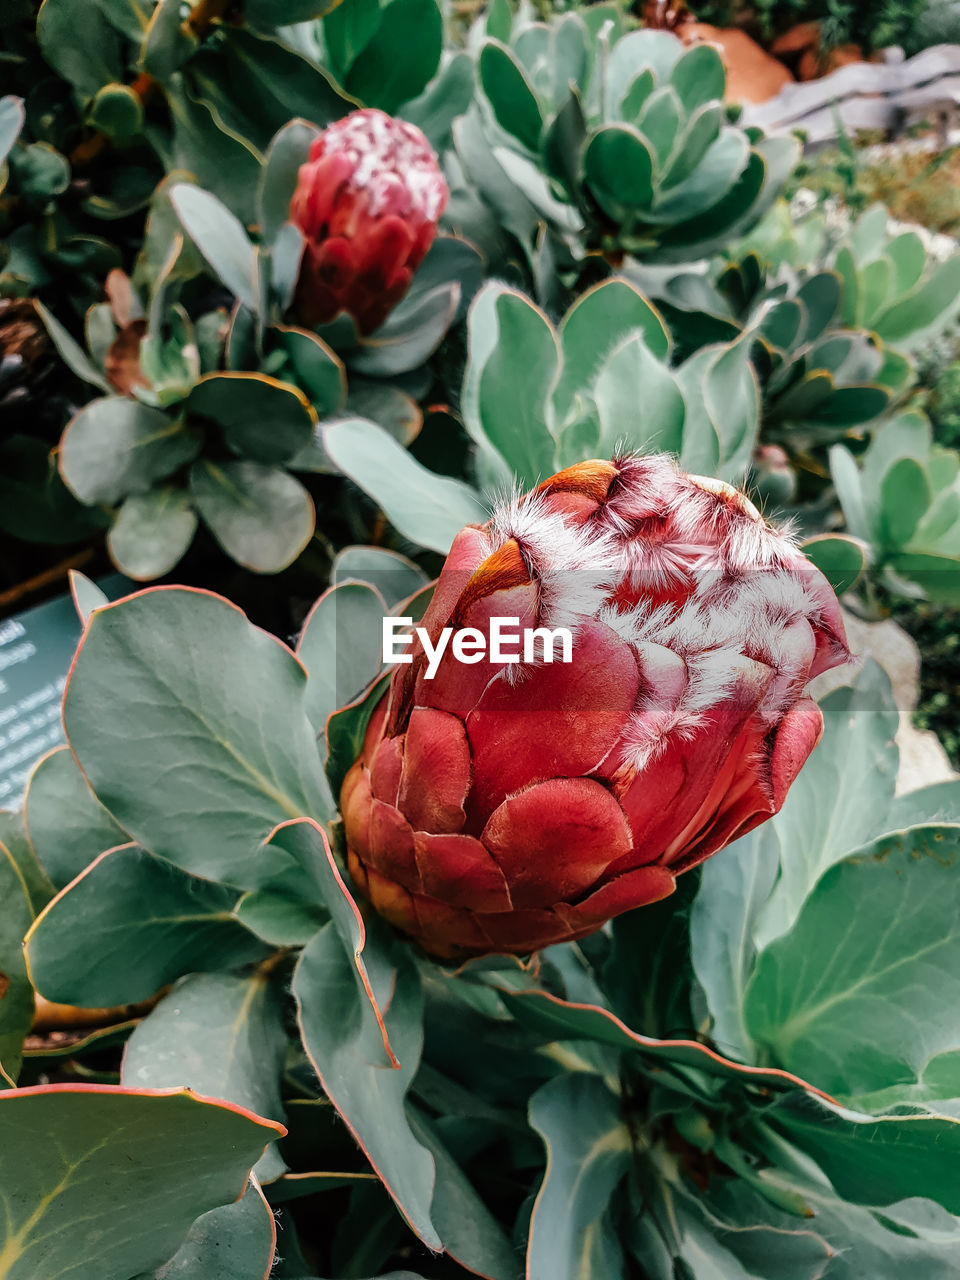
(36, 648)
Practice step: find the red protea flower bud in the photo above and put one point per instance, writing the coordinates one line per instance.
(505, 807)
(368, 201)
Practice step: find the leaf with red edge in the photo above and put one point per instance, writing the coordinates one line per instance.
(17, 897)
(562, 1020)
(341, 647)
(130, 924)
(190, 725)
(97, 1181)
(361, 1009)
(305, 844)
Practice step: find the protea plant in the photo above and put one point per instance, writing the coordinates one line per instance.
(507, 806)
(368, 201)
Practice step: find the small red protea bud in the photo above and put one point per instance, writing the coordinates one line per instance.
(368, 201)
(503, 807)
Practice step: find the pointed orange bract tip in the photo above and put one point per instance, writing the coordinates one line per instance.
(592, 479)
(503, 569)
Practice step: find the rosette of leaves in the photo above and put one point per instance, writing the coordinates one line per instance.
(892, 285)
(589, 139)
(822, 377)
(692, 1093)
(902, 499)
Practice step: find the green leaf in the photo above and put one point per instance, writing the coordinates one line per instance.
(127, 1150)
(37, 886)
(938, 575)
(219, 1034)
(86, 54)
(278, 13)
(840, 559)
(410, 334)
(340, 645)
(346, 729)
(318, 370)
(16, 991)
(731, 398)
(499, 20)
(849, 406)
(357, 999)
(562, 142)
(214, 706)
(618, 168)
(447, 96)
(378, 77)
(255, 84)
(152, 533)
(841, 797)
(599, 320)
(153, 923)
(68, 826)
(698, 77)
(224, 161)
(509, 209)
(426, 508)
(874, 1161)
(235, 1242)
(848, 482)
(290, 905)
(73, 356)
(41, 172)
(513, 100)
(556, 1019)
(588, 1154)
(221, 238)
(658, 50)
(659, 122)
(168, 41)
(938, 803)
(859, 1242)
(639, 403)
(12, 116)
(115, 446)
(713, 179)
(701, 439)
(35, 504)
(905, 496)
(261, 516)
(389, 407)
(512, 370)
(733, 891)
(394, 576)
(936, 299)
(908, 258)
(702, 131)
(469, 1231)
(281, 167)
(261, 418)
(347, 30)
(888, 999)
(117, 111)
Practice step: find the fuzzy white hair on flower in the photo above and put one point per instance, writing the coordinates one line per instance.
(575, 566)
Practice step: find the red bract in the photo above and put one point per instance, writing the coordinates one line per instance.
(368, 201)
(504, 808)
